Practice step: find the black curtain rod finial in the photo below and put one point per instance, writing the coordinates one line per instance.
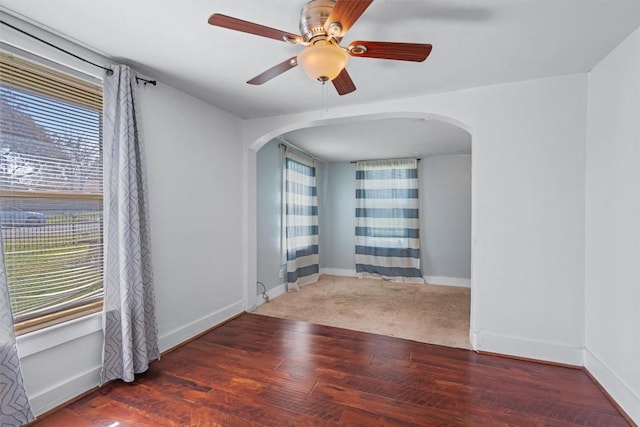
(146, 82)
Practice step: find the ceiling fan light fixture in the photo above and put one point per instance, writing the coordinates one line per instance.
(323, 61)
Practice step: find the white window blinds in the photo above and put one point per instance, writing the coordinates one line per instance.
(50, 187)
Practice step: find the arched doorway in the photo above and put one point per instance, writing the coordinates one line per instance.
(444, 158)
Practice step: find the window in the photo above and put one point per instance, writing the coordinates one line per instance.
(50, 189)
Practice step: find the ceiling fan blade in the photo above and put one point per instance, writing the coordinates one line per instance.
(346, 12)
(274, 71)
(343, 83)
(417, 52)
(231, 23)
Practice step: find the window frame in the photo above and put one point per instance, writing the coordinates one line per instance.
(92, 306)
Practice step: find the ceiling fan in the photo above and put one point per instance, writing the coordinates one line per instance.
(323, 24)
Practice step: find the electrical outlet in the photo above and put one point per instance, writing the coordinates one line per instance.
(281, 273)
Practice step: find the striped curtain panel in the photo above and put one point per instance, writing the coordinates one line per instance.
(387, 221)
(300, 219)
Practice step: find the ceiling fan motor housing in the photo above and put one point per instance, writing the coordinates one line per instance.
(313, 16)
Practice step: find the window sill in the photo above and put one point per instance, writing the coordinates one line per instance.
(58, 334)
(53, 319)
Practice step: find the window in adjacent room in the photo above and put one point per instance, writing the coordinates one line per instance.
(50, 190)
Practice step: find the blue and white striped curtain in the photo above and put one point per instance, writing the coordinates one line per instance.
(300, 219)
(387, 220)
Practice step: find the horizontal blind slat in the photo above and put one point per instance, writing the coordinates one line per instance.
(24, 75)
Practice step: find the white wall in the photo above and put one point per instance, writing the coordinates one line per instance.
(612, 352)
(445, 219)
(269, 215)
(195, 174)
(528, 205)
(338, 220)
(61, 362)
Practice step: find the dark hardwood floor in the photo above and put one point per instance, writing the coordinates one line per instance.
(263, 371)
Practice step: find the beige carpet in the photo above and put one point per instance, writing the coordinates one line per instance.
(424, 313)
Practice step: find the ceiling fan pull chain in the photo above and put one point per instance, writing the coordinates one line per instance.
(324, 107)
(325, 94)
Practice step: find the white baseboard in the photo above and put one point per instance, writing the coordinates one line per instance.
(63, 392)
(273, 293)
(528, 348)
(338, 272)
(180, 335)
(448, 281)
(434, 280)
(618, 389)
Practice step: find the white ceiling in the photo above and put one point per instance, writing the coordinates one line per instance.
(378, 139)
(475, 43)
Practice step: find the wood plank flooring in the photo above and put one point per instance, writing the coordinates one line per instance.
(262, 371)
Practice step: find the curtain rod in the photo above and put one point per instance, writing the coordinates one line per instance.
(146, 82)
(373, 160)
(284, 143)
(108, 70)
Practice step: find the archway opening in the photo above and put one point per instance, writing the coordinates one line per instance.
(442, 144)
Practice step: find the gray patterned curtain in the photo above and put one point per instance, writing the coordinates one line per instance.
(130, 331)
(14, 403)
